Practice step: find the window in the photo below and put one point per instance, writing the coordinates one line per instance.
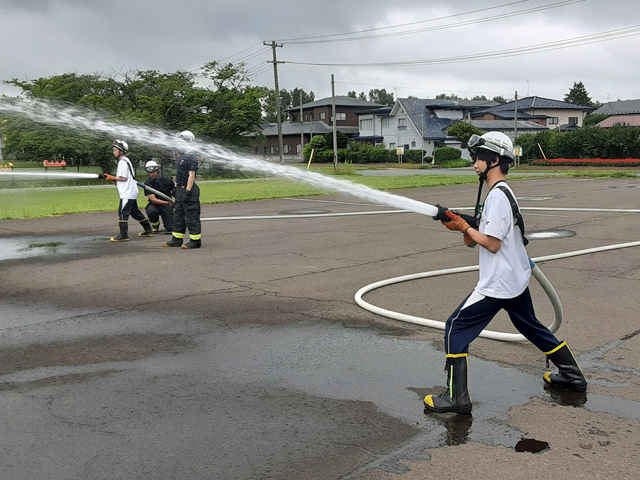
(552, 120)
(298, 148)
(385, 122)
(402, 123)
(275, 149)
(413, 144)
(294, 117)
(573, 120)
(366, 124)
(392, 146)
(323, 116)
(285, 148)
(266, 150)
(341, 116)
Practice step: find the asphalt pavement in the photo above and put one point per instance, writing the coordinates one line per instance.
(249, 358)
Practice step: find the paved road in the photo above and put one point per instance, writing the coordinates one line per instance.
(249, 358)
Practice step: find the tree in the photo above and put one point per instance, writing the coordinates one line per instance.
(499, 99)
(444, 96)
(593, 119)
(381, 96)
(362, 96)
(578, 95)
(173, 101)
(288, 99)
(352, 94)
(463, 131)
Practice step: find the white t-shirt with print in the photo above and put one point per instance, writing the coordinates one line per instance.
(506, 273)
(128, 190)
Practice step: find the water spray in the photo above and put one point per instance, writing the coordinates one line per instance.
(42, 176)
(83, 120)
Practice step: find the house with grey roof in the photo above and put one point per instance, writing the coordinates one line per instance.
(545, 111)
(420, 124)
(315, 119)
(622, 112)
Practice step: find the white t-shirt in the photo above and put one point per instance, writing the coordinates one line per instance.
(129, 189)
(506, 273)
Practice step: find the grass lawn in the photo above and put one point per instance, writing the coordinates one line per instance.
(45, 202)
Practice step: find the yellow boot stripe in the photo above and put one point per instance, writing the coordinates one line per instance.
(547, 377)
(457, 355)
(428, 400)
(563, 344)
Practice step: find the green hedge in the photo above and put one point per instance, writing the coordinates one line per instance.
(446, 154)
(585, 142)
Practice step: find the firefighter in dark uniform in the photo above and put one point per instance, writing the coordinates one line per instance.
(157, 207)
(187, 212)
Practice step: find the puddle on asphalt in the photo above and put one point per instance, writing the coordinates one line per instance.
(530, 445)
(18, 248)
(321, 361)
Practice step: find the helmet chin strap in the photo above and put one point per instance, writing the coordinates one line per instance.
(482, 178)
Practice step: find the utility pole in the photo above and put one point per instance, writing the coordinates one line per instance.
(515, 119)
(275, 62)
(301, 128)
(335, 134)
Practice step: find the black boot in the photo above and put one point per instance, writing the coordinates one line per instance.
(124, 229)
(569, 376)
(148, 232)
(192, 244)
(155, 226)
(174, 242)
(456, 399)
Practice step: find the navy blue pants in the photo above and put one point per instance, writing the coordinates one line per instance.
(187, 214)
(475, 313)
(128, 207)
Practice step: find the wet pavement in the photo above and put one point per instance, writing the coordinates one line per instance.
(249, 359)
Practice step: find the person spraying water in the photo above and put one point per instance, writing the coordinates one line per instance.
(505, 271)
(128, 191)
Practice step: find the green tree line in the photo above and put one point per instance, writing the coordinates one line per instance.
(216, 103)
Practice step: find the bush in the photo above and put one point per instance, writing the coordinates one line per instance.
(412, 156)
(445, 154)
(456, 163)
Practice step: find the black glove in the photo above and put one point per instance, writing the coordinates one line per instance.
(474, 222)
(187, 195)
(101, 176)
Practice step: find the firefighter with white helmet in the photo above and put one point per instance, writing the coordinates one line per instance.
(187, 208)
(505, 271)
(125, 180)
(157, 207)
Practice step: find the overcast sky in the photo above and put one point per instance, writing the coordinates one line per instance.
(41, 38)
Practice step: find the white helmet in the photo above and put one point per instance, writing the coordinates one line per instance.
(151, 166)
(496, 142)
(187, 136)
(121, 145)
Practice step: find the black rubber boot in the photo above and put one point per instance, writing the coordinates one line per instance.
(456, 399)
(192, 244)
(174, 242)
(569, 376)
(148, 232)
(155, 226)
(124, 229)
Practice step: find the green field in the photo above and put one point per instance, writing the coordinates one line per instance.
(16, 203)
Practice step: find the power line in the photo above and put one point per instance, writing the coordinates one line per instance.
(558, 45)
(241, 51)
(562, 3)
(418, 88)
(403, 24)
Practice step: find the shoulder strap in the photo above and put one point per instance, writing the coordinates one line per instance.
(130, 168)
(516, 211)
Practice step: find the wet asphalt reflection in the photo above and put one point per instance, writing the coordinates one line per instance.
(124, 394)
